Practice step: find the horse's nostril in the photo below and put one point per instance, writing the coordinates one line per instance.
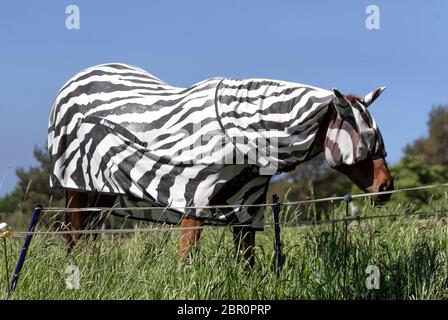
(387, 186)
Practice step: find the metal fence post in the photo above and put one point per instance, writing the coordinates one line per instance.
(278, 243)
(26, 244)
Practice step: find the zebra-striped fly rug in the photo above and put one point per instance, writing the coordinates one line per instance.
(117, 129)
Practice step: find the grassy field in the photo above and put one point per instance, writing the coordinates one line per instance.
(411, 254)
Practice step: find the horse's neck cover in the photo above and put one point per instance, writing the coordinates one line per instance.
(117, 129)
(278, 119)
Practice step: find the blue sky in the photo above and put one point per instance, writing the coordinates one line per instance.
(321, 43)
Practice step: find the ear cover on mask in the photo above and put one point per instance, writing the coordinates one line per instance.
(372, 96)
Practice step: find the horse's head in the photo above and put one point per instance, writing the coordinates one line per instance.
(353, 144)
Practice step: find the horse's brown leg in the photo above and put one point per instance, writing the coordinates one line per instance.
(244, 238)
(189, 236)
(97, 218)
(80, 220)
(75, 220)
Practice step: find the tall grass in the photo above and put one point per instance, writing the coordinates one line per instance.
(411, 254)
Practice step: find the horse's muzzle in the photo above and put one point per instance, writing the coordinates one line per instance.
(383, 198)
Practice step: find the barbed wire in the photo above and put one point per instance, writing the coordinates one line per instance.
(367, 217)
(288, 224)
(178, 228)
(261, 205)
(366, 195)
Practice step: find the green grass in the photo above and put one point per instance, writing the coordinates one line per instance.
(411, 254)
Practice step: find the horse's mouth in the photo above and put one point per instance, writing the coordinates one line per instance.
(382, 198)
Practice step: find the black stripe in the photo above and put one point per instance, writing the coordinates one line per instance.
(95, 87)
(97, 72)
(113, 127)
(123, 174)
(160, 122)
(252, 85)
(282, 107)
(68, 116)
(228, 99)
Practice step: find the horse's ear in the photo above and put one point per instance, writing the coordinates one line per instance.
(372, 96)
(341, 101)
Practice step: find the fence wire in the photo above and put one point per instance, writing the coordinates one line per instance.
(286, 224)
(163, 228)
(261, 205)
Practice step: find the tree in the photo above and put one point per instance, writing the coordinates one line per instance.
(434, 147)
(412, 171)
(33, 187)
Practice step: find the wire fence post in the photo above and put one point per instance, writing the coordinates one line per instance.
(5, 233)
(277, 243)
(347, 199)
(26, 244)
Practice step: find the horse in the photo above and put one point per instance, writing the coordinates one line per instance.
(117, 130)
